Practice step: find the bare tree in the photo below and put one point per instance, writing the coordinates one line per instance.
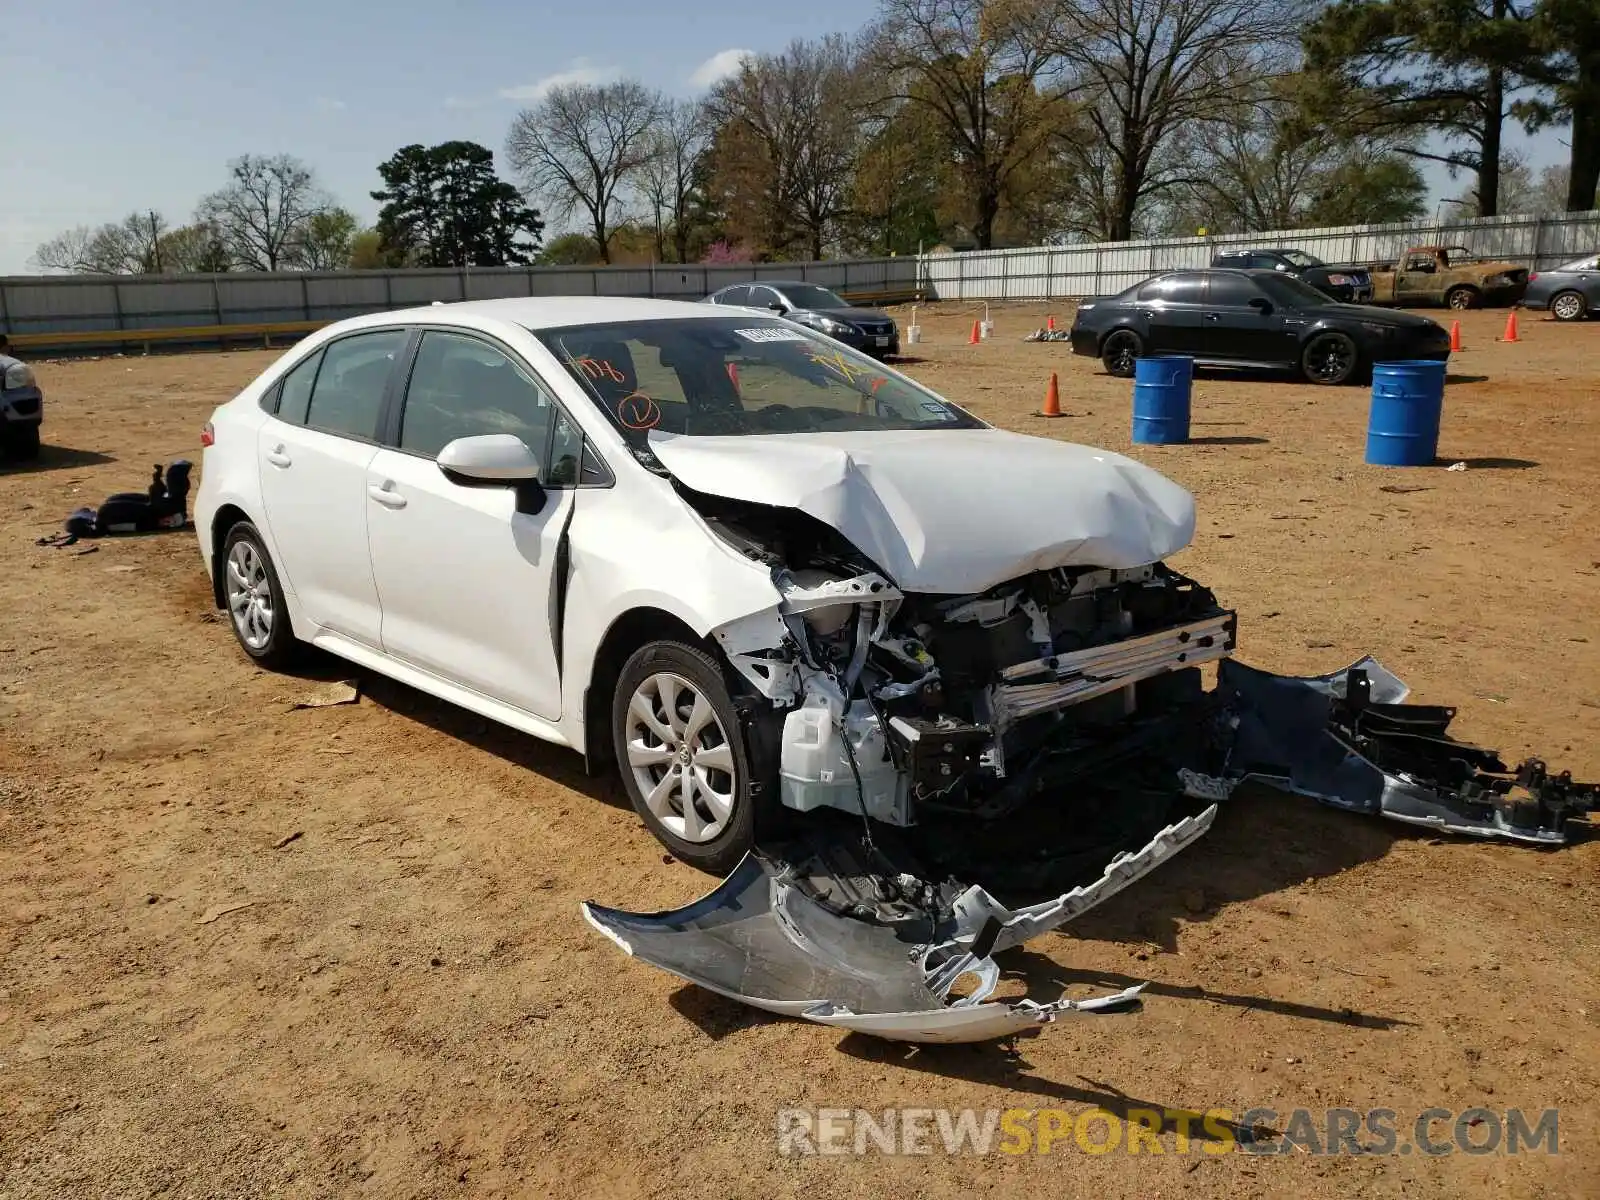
(989, 74)
(675, 147)
(1154, 71)
(788, 131)
(133, 246)
(582, 146)
(262, 213)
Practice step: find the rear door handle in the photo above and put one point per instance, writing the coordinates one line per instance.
(1213, 316)
(278, 458)
(386, 495)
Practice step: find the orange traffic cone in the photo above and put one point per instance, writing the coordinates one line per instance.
(1050, 322)
(1455, 337)
(1511, 327)
(976, 335)
(733, 375)
(1052, 400)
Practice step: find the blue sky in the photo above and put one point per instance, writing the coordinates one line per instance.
(114, 106)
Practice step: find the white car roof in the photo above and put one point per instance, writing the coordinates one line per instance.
(544, 312)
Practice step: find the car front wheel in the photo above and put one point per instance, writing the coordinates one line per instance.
(681, 755)
(1120, 351)
(1330, 359)
(1568, 306)
(255, 599)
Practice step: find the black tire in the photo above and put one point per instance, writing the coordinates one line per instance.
(1569, 306)
(21, 442)
(696, 669)
(279, 649)
(1119, 351)
(1462, 298)
(1330, 359)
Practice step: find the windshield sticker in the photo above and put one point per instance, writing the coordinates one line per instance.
(772, 333)
(638, 411)
(934, 407)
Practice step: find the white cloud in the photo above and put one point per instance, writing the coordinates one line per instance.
(719, 66)
(581, 71)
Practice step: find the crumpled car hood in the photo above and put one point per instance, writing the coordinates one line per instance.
(952, 511)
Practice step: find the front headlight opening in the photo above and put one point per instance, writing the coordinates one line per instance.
(19, 375)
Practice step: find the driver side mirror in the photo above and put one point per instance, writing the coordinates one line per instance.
(778, 306)
(1261, 304)
(494, 460)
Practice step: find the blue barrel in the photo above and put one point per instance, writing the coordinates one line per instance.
(1161, 386)
(1403, 423)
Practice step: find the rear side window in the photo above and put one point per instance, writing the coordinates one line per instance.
(349, 390)
(1174, 289)
(294, 395)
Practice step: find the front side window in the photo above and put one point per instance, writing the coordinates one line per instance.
(462, 386)
(739, 295)
(1231, 290)
(731, 375)
(1286, 291)
(1581, 264)
(348, 394)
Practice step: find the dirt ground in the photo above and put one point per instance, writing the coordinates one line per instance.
(404, 1001)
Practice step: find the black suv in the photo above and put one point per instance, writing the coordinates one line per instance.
(1349, 283)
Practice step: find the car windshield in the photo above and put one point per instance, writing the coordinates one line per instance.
(1580, 264)
(1289, 292)
(809, 295)
(725, 375)
(1301, 259)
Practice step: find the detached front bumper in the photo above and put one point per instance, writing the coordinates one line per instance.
(838, 930)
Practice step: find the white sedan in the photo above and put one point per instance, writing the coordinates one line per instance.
(835, 631)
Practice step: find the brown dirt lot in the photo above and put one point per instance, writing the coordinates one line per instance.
(411, 1005)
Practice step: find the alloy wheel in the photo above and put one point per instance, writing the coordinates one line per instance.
(250, 595)
(1567, 307)
(1120, 353)
(1330, 361)
(680, 757)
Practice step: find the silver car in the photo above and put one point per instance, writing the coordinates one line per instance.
(1571, 291)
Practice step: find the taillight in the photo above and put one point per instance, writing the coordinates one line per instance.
(208, 435)
(1533, 276)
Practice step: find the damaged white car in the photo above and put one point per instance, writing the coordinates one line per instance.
(925, 687)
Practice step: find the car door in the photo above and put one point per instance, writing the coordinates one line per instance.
(1173, 304)
(468, 574)
(313, 452)
(1418, 279)
(765, 297)
(1234, 328)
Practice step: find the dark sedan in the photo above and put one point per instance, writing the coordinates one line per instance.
(817, 308)
(1571, 292)
(1349, 283)
(1257, 319)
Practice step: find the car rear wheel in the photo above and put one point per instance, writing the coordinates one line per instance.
(1120, 351)
(1568, 306)
(1330, 359)
(1461, 298)
(682, 756)
(21, 442)
(256, 611)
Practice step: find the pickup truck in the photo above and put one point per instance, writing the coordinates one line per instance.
(1451, 276)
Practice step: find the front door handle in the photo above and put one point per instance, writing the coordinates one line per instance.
(1213, 316)
(277, 457)
(386, 495)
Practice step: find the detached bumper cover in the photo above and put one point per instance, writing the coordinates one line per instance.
(762, 939)
(813, 933)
